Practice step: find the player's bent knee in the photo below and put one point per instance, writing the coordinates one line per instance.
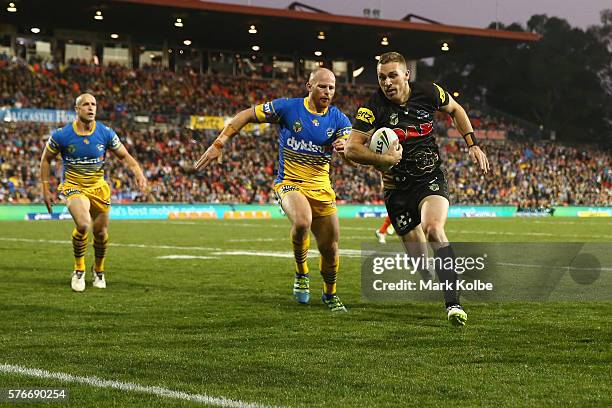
(100, 233)
(434, 231)
(329, 251)
(301, 226)
(82, 227)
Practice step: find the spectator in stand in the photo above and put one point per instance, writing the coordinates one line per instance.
(527, 173)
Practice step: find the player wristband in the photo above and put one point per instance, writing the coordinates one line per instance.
(217, 143)
(470, 139)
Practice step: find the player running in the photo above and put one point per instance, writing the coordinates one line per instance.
(83, 145)
(310, 130)
(416, 191)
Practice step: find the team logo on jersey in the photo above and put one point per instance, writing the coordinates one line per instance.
(71, 148)
(366, 115)
(86, 141)
(267, 108)
(393, 119)
(329, 132)
(426, 161)
(297, 126)
(315, 122)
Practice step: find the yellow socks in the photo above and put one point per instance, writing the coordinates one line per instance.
(79, 246)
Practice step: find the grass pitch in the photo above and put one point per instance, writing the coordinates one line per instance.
(224, 324)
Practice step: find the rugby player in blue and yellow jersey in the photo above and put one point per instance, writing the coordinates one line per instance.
(83, 145)
(310, 130)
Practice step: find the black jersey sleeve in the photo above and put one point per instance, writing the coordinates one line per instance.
(365, 119)
(440, 96)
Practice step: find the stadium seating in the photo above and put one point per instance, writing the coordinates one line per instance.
(524, 173)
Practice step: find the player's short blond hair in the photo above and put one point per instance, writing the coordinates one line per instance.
(393, 56)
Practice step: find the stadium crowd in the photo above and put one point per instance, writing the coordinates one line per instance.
(524, 173)
(528, 174)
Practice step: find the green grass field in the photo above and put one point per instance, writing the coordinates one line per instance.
(225, 325)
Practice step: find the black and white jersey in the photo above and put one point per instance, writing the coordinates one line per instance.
(413, 123)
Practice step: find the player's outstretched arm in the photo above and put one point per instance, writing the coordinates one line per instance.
(231, 129)
(123, 155)
(357, 151)
(464, 126)
(45, 175)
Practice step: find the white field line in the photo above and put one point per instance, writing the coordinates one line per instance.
(215, 252)
(53, 241)
(257, 240)
(186, 257)
(127, 386)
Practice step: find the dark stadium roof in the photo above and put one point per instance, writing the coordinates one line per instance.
(280, 31)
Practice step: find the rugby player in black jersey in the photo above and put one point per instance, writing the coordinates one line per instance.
(416, 191)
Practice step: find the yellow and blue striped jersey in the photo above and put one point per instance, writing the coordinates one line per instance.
(83, 154)
(306, 137)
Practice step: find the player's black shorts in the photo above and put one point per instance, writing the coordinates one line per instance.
(403, 205)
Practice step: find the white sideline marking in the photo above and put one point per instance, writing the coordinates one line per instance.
(126, 386)
(53, 241)
(186, 257)
(256, 240)
(157, 222)
(349, 253)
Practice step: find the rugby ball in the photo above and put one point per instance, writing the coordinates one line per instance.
(382, 139)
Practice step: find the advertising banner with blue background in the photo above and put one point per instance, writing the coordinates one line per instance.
(37, 115)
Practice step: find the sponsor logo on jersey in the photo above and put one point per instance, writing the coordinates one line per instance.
(286, 189)
(71, 148)
(422, 129)
(100, 147)
(297, 126)
(423, 114)
(296, 145)
(434, 187)
(67, 192)
(329, 132)
(393, 119)
(84, 160)
(365, 115)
